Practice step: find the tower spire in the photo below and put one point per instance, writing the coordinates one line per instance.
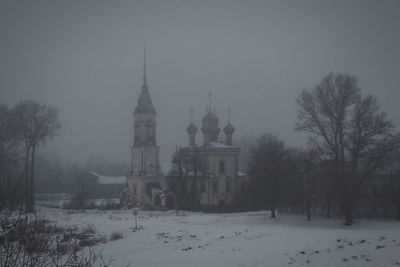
(191, 115)
(209, 101)
(229, 115)
(144, 67)
(145, 104)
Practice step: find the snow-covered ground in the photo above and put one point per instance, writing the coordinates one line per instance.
(237, 239)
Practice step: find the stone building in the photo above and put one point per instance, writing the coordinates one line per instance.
(218, 181)
(215, 180)
(146, 182)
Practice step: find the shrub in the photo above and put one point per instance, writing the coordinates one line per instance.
(89, 241)
(33, 242)
(89, 229)
(116, 236)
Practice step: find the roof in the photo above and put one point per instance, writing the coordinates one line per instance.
(191, 129)
(220, 145)
(101, 179)
(145, 105)
(229, 129)
(217, 144)
(111, 180)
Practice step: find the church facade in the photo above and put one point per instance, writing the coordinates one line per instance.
(212, 179)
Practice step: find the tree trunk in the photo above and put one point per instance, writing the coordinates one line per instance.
(177, 205)
(348, 214)
(27, 184)
(308, 207)
(328, 207)
(273, 211)
(31, 207)
(307, 190)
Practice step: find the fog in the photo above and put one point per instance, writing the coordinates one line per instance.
(86, 58)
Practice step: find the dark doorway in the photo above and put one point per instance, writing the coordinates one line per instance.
(170, 202)
(157, 200)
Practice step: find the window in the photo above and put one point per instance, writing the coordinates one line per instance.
(150, 133)
(202, 187)
(215, 187)
(138, 135)
(228, 187)
(142, 161)
(221, 166)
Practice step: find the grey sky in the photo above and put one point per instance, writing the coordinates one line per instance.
(85, 57)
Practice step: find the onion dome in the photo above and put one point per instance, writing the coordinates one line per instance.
(210, 126)
(191, 129)
(209, 121)
(229, 129)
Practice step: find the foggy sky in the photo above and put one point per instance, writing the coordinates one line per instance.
(85, 57)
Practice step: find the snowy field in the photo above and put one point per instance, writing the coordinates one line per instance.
(237, 239)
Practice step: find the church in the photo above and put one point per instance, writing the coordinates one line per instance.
(212, 178)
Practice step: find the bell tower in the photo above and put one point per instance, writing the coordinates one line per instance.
(144, 151)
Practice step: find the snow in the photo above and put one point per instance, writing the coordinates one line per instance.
(237, 239)
(219, 144)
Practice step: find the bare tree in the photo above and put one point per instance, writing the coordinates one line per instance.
(10, 176)
(350, 131)
(246, 143)
(29, 240)
(186, 164)
(35, 124)
(308, 171)
(266, 169)
(394, 182)
(291, 184)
